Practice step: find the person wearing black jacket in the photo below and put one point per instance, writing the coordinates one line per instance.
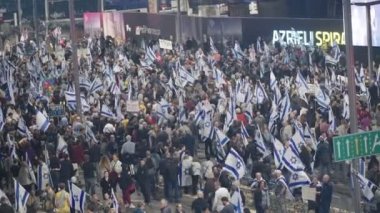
(67, 169)
(143, 179)
(127, 186)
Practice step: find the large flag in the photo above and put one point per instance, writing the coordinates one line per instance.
(96, 85)
(292, 161)
(21, 197)
(234, 164)
(185, 76)
(260, 93)
(298, 179)
(237, 201)
(43, 176)
(42, 121)
(77, 197)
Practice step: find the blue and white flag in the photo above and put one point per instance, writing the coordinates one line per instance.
(335, 50)
(274, 116)
(84, 83)
(71, 102)
(297, 141)
(150, 56)
(322, 98)
(260, 93)
(43, 176)
(106, 112)
(238, 52)
(292, 161)
(302, 86)
(260, 142)
(366, 186)
(2, 123)
(331, 120)
(272, 81)
(181, 109)
(185, 75)
(77, 197)
(230, 115)
(234, 164)
(346, 109)
(298, 179)
(248, 112)
(212, 46)
(285, 107)
(221, 138)
(42, 121)
(30, 168)
(244, 134)
(207, 130)
(21, 197)
(22, 129)
(115, 203)
(96, 85)
(237, 201)
(278, 152)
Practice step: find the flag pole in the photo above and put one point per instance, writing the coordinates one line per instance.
(74, 67)
(351, 93)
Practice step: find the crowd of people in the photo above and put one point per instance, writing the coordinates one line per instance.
(265, 116)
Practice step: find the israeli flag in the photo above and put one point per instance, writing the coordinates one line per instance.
(207, 131)
(219, 77)
(234, 164)
(84, 83)
(62, 145)
(150, 56)
(300, 81)
(366, 186)
(238, 52)
(22, 129)
(237, 201)
(248, 112)
(332, 123)
(30, 168)
(212, 46)
(115, 203)
(221, 138)
(274, 116)
(106, 112)
(71, 102)
(292, 161)
(244, 134)
(2, 123)
(185, 75)
(298, 179)
(322, 98)
(231, 114)
(260, 142)
(43, 176)
(278, 152)
(346, 110)
(296, 142)
(42, 121)
(260, 93)
(77, 197)
(273, 81)
(285, 107)
(181, 110)
(96, 85)
(21, 197)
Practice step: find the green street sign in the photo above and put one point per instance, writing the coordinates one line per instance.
(356, 145)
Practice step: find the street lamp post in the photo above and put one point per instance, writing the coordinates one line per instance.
(351, 92)
(74, 67)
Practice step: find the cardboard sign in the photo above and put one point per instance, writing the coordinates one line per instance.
(133, 106)
(165, 44)
(309, 193)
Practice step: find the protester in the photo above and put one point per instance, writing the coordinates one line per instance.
(326, 194)
(146, 110)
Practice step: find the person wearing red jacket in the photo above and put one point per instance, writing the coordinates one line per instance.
(76, 151)
(241, 117)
